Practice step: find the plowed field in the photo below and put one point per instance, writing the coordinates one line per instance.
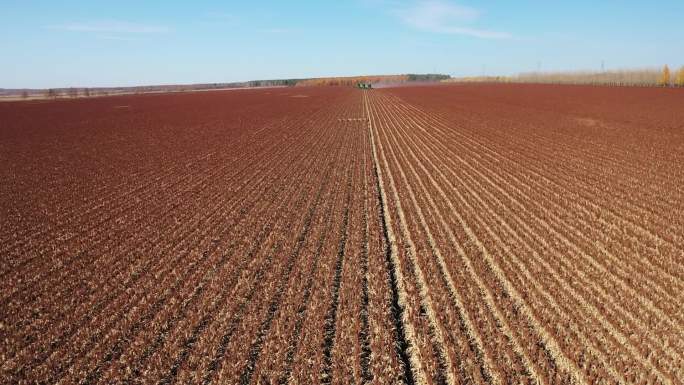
(457, 234)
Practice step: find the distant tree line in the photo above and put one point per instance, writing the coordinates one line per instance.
(273, 83)
(352, 80)
(427, 77)
(74, 92)
(639, 77)
(373, 79)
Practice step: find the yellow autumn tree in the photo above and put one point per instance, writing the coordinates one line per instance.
(680, 77)
(665, 77)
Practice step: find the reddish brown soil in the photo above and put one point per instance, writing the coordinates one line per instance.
(422, 235)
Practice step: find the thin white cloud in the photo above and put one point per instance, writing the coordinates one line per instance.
(110, 27)
(440, 16)
(223, 17)
(276, 30)
(117, 38)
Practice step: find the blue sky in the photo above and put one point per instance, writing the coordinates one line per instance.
(98, 43)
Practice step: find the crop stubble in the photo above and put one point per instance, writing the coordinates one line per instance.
(423, 235)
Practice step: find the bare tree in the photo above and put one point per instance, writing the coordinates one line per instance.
(24, 94)
(73, 92)
(86, 92)
(665, 77)
(679, 82)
